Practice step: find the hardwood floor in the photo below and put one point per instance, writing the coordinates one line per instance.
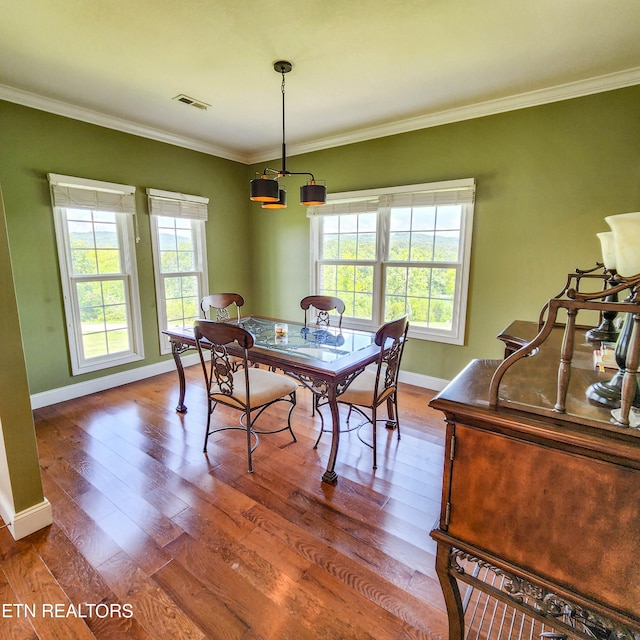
(154, 539)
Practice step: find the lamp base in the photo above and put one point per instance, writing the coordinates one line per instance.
(607, 394)
(605, 332)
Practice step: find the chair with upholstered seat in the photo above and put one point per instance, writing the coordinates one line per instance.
(221, 303)
(248, 389)
(323, 305)
(372, 388)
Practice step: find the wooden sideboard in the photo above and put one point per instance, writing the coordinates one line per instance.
(540, 509)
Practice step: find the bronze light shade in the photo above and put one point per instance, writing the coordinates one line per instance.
(281, 203)
(264, 189)
(313, 194)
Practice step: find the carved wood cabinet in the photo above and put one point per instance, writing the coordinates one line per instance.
(540, 509)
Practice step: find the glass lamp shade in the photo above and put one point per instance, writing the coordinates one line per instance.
(608, 249)
(281, 203)
(626, 239)
(264, 189)
(313, 194)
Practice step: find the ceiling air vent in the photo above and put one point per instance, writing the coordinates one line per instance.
(192, 102)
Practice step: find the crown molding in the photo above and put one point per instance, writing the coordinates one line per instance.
(539, 97)
(57, 107)
(557, 93)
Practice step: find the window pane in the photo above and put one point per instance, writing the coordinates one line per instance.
(348, 223)
(441, 314)
(84, 262)
(118, 340)
(330, 246)
(367, 222)
(396, 281)
(400, 219)
(348, 242)
(181, 300)
(168, 262)
(425, 294)
(103, 309)
(443, 283)
(424, 218)
(106, 236)
(364, 278)
(94, 345)
(363, 306)
(447, 246)
(328, 277)
(330, 224)
(422, 246)
(186, 261)
(418, 310)
(366, 246)
(353, 284)
(345, 278)
(108, 261)
(399, 244)
(394, 307)
(167, 240)
(104, 216)
(449, 217)
(113, 292)
(80, 234)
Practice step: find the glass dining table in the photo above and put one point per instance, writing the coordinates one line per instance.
(323, 359)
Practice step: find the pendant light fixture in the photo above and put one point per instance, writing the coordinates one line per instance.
(265, 187)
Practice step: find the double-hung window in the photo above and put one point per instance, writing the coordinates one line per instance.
(179, 257)
(96, 251)
(401, 250)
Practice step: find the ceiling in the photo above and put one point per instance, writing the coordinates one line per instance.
(361, 68)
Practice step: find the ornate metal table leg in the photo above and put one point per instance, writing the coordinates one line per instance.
(330, 476)
(176, 349)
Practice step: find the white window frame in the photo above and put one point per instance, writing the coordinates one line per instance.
(460, 192)
(69, 192)
(195, 209)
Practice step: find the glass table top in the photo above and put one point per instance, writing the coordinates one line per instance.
(327, 344)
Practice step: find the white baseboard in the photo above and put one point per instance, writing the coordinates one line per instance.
(30, 520)
(80, 389)
(420, 380)
(107, 382)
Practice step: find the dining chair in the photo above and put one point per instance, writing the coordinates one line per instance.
(221, 303)
(372, 388)
(248, 389)
(323, 305)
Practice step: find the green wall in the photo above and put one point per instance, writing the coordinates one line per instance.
(35, 143)
(546, 176)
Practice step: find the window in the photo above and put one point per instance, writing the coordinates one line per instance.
(96, 250)
(396, 251)
(179, 258)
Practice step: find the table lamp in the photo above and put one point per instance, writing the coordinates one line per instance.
(605, 331)
(625, 228)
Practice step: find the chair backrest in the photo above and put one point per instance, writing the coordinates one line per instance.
(217, 336)
(391, 338)
(221, 303)
(323, 304)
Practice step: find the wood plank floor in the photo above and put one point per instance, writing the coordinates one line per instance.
(154, 539)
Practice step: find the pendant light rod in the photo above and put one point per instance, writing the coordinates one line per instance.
(265, 189)
(283, 69)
